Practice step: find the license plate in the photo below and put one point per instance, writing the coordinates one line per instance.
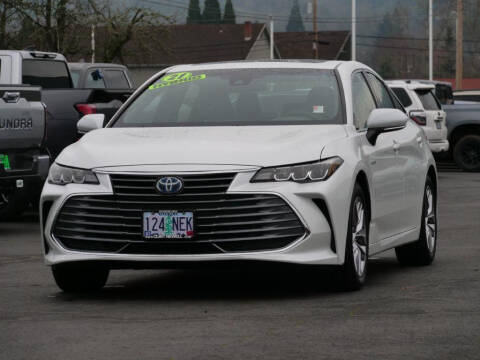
(5, 162)
(438, 124)
(167, 224)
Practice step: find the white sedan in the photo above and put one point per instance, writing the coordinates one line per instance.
(311, 163)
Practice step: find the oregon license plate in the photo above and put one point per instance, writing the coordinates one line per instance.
(167, 224)
(438, 124)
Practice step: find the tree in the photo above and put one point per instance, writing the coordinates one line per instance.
(194, 12)
(122, 24)
(229, 14)
(7, 11)
(295, 21)
(211, 13)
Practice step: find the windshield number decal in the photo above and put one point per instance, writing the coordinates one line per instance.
(177, 78)
(5, 161)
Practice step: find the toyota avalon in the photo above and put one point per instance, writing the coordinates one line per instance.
(300, 162)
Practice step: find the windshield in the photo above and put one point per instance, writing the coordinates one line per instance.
(237, 97)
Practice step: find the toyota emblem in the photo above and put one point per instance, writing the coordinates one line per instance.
(169, 185)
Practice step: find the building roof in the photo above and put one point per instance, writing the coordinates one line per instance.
(192, 43)
(299, 45)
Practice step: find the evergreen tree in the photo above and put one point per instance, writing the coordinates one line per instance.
(194, 13)
(211, 12)
(295, 22)
(229, 14)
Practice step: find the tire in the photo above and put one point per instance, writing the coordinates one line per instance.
(80, 277)
(354, 270)
(422, 251)
(12, 203)
(466, 153)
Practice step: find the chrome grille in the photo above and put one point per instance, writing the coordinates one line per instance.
(223, 222)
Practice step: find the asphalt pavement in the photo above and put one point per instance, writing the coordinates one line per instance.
(403, 312)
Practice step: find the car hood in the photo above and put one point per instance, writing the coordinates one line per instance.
(222, 145)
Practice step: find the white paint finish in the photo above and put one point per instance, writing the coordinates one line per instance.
(395, 174)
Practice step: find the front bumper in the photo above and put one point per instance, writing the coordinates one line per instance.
(322, 243)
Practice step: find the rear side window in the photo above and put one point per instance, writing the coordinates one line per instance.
(380, 91)
(402, 96)
(95, 80)
(116, 79)
(428, 99)
(75, 77)
(46, 73)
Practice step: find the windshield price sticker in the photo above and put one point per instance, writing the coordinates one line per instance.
(177, 78)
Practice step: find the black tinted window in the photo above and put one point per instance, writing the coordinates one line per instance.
(402, 96)
(428, 99)
(116, 79)
(46, 73)
(380, 91)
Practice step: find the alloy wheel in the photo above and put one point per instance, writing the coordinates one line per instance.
(430, 220)
(359, 237)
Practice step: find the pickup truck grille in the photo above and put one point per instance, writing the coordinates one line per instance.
(223, 222)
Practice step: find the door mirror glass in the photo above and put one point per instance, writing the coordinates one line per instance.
(384, 120)
(90, 122)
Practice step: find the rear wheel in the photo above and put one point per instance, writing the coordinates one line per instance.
(80, 277)
(467, 153)
(354, 270)
(422, 251)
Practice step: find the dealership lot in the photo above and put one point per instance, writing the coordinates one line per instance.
(402, 313)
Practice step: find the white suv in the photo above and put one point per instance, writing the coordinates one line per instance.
(424, 108)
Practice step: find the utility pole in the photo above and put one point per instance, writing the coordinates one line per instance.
(93, 43)
(315, 29)
(272, 44)
(354, 30)
(430, 40)
(459, 70)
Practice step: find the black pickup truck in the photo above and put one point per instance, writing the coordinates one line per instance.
(24, 159)
(65, 104)
(39, 111)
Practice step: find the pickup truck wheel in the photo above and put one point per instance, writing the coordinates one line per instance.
(80, 277)
(467, 153)
(12, 203)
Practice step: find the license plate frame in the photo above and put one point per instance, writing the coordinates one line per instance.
(168, 224)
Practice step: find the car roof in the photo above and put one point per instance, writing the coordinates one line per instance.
(85, 65)
(266, 64)
(410, 84)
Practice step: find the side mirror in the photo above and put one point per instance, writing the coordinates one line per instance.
(90, 122)
(384, 120)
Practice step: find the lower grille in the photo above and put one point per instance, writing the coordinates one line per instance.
(223, 223)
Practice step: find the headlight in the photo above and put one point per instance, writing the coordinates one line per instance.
(61, 175)
(316, 171)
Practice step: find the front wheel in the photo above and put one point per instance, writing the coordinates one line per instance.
(422, 251)
(354, 270)
(80, 277)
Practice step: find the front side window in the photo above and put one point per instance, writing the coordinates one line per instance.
(363, 102)
(116, 79)
(428, 99)
(48, 74)
(381, 93)
(238, 97)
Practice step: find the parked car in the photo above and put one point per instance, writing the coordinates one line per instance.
(420, 101)
(24, 160)
(463, 122)
(443, 90)
(65, 104)
(312, 163)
